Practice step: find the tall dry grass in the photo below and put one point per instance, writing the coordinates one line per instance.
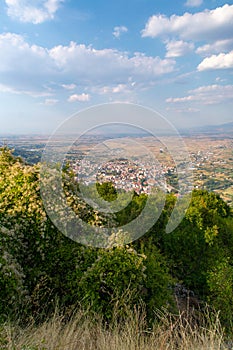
(82, 332)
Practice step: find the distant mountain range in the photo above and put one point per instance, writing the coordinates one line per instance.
(118, 131)
(221, 129)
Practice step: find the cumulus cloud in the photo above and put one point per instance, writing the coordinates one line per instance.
(178, 48)
(207, 95)
(80, 64)
(18, 62)
(193, 3)
(79, 98)
(32, 11)
(214, 62)
(219, 46)
(119, 30)
(87, 64)
(214, 24)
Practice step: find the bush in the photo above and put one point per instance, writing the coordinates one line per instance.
(12, 288)
(220, 283)
(117, 278)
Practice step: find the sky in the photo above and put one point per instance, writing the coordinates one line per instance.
(58, 57)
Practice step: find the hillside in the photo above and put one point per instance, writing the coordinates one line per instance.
(40, 268)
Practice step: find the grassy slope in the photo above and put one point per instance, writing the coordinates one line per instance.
(82, 333)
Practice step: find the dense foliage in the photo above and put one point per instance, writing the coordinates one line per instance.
(40, 267)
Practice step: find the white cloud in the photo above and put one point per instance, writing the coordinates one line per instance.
(178, 48)
(116, 89)
(12, 90)
(69, 86)
(79, 98)
(86, 63)
(207, 95)
(119, 30)
(193, 3)
(18, 62)
(214, 24)
(214, 62)
(183, 110)
(35, 12)
(218, 46)
(220, 80)
(51, 102)
(80, 64)
(119, 88)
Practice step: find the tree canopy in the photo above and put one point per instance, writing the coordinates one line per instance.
(40, 267)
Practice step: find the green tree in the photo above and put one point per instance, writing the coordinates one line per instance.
(220, 283)
(115, 278)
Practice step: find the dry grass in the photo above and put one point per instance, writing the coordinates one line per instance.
(82, 333)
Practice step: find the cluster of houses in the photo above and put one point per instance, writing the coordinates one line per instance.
(123, 174)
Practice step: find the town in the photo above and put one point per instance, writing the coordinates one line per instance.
(123, 174)
(141, 164)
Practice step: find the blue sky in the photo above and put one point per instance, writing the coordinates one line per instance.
(58, 57)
